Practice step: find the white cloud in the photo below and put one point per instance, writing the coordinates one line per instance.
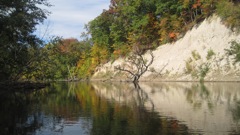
(68, 17)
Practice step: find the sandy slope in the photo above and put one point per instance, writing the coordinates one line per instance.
(171, 60)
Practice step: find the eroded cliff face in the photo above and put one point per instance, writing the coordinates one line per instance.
(199, 54)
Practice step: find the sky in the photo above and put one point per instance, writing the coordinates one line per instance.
(68, 17)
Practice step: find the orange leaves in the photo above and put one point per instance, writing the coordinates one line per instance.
(117, 52)
(66, 45)
(194, 3)
(197, 4)
(173, 35)
(194, 6)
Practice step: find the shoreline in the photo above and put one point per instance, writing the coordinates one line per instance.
(194, 81)
(7, 87)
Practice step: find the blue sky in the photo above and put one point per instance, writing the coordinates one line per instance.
(68, 17)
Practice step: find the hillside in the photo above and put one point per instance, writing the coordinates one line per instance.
(190, 48)
(199, 54)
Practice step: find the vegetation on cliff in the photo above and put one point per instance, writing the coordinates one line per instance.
(139, 25)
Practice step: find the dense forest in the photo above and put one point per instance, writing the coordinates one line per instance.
(128, 25)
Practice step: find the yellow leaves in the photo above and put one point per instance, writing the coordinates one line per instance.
(164, 22)
(230, 14)
(186, 3)
(90, 60)
(80, 62)
(163, 35)
(99, 54)
(121, 50)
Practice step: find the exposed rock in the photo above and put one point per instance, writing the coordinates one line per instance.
(171, 60)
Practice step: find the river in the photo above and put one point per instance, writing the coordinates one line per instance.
(98, 108)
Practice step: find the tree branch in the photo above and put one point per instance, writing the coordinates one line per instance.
(138, 65)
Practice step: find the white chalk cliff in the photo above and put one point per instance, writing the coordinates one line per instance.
(202, 49)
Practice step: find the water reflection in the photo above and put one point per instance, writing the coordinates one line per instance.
(49, 111)
(124, 109)
(210, 108)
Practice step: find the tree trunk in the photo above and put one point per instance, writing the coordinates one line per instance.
(135, 80)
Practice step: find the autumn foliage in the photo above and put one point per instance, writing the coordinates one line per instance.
(127, 26)
(140, 25)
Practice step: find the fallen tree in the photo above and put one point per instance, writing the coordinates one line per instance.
(136, 65)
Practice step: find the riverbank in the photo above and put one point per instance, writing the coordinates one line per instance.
(199, 55)
(21, 86)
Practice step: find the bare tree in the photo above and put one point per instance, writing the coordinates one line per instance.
(136, 65)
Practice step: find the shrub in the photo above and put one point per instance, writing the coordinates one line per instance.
(197, 72)
(234, 50)
(230, 13)
(152, 69)
(189, 67)
(196, 55)
(210, 53)
(203, 70)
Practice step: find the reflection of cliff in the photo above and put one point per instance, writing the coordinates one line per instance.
(124, 93)
(211, 108)
(120, 108)
(114, 116)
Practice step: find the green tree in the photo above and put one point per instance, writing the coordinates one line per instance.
(18, 19)
(230, 13)
(62, 58)
(100, 32)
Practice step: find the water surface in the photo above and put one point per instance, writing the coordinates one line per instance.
(123, 109)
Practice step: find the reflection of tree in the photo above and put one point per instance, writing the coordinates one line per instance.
(15, 115)
(24, 113)
(55, 106)
(206, 108)
(131, 118)
(142, 96)
(72, 88)
(198, 94)
(236, 116)
(236, 112)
